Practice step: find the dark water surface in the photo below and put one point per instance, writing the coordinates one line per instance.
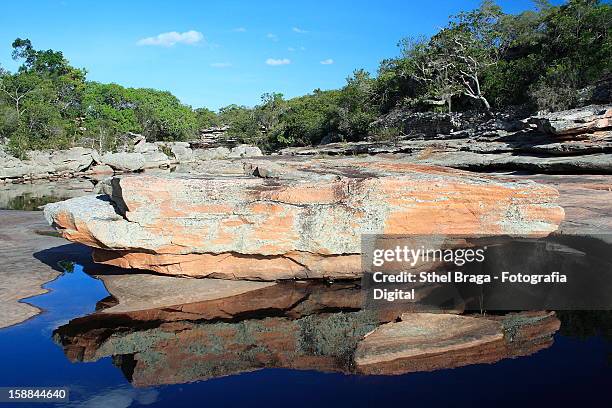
(32, 196)
(576, 370)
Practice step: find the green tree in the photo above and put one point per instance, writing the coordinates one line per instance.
(242, 123)
(467, 48)
(205, 118)
(108, 113)
(162, 116)
(310, 118)
(356, 108)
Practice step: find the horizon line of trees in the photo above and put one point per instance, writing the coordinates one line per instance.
(484, 59)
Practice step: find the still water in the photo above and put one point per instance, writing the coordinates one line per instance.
(576, 369)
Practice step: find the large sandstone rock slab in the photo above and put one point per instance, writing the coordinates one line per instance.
(307, 223)
(585, 199)
(588, 163)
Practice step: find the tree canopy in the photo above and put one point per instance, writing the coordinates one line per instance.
(48, 103)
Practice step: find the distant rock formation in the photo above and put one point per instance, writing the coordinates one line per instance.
(573, 141)
(80, 161)
(215, 136)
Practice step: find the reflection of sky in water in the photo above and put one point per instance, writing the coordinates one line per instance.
(30, 196)
(571, 371)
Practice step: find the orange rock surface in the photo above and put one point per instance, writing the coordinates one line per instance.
(306, 223)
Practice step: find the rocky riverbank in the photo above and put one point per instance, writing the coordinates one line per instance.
(573, 141)
(281, 235)
(29, 255)
(26, 237)
(86, 162)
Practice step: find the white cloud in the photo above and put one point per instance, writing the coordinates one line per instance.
(221, 64)
(169, 39)
(280, 61)
(272, 37)
(328, 61)
(291, 49)
(299, 30)
(239, 30)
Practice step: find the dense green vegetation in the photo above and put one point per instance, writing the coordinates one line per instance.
(49, 104)
(482, 60)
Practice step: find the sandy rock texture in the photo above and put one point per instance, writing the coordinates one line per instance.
(29, 252)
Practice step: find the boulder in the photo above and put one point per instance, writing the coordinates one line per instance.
(74, 159)
(15, 168)
(307, 223)
(141, 146)
(40, 164)
(211, 154)
(70, 160)
(245, 151)
(145, 156)
(182, 152)
(12, 167)
(101, 169)
(124, 161)
(573, 121)
(155, 159)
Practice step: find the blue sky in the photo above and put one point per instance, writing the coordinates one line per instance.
(225, 52)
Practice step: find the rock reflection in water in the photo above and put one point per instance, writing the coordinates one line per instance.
(31, 196)
(295, 325)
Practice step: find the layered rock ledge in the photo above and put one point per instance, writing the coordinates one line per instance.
(305, 223)
(573, 141)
